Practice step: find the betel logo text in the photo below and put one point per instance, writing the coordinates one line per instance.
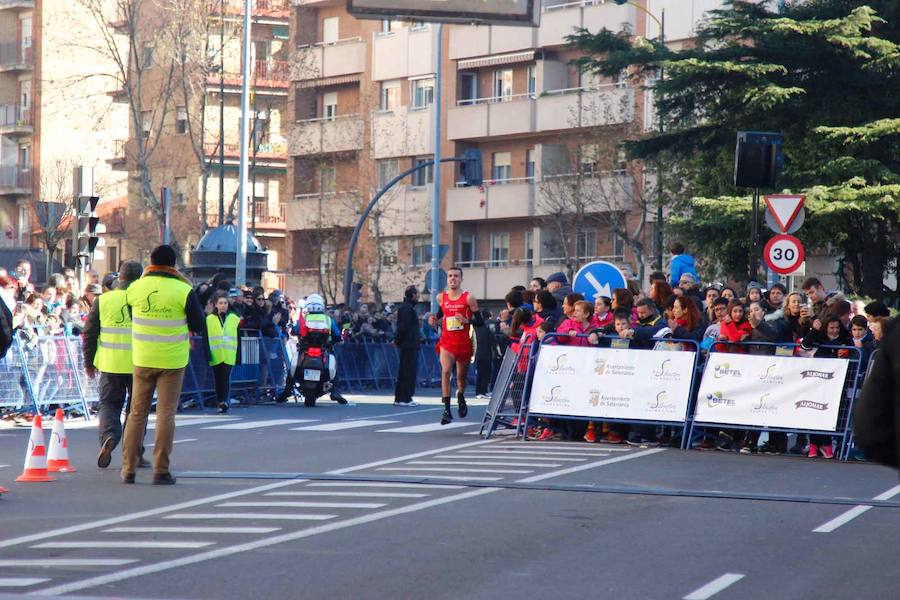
(718, 399)
(725, 370)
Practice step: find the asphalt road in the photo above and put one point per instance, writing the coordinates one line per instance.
(373, 501)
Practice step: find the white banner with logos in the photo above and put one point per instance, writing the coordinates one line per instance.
(612, 383)
(772, 391)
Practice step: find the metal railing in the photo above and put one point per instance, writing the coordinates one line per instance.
(266, 215)
(495, 99)
(16, 53)
(328, 119)
(15, 115)
(350, 40)
(579, 4)
(14, 177)
(257, 7)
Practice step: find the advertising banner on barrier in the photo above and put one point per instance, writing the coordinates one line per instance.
(612, 383)
(772, 391)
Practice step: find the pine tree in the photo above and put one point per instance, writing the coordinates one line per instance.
(825, 73)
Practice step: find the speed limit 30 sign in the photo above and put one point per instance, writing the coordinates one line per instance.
(784, 254)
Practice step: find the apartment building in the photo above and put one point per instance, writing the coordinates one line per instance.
(54, 114)
(362, 94)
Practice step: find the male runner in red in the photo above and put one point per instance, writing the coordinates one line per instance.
(457, 309)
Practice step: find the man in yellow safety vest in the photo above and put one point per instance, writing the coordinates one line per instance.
(164, 309)
(107, 349)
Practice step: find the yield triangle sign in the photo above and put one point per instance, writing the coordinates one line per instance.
(784, 208)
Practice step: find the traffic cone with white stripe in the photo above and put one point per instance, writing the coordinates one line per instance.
(58, 459)
(36, 455)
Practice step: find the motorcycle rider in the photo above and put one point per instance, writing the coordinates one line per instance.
(315, 328)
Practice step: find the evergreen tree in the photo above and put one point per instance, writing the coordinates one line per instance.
(825, 73)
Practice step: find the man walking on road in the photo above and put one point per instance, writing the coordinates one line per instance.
(107, 349)
(407, 342)
(457, 309)
(164, 308)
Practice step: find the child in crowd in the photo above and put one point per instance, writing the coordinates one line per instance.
(578, 324)
(735, 328)
(603, 316)
(569, 304)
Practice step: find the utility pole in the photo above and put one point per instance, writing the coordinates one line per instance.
(221, 112)
(240, 271)
(436, 186)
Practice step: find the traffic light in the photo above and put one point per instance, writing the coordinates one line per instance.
(472, 169)
(87, 222)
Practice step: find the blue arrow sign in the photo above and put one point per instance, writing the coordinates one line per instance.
(598, 278)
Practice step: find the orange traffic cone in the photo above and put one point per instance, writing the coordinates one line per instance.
(36, 456)
(58, 458)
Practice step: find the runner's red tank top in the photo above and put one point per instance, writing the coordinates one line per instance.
(454, 333)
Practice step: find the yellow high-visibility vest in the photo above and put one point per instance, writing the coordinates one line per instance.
(114, 343)
(223, 341)
(159, 331)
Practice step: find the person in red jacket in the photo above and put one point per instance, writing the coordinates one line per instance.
(735, 328)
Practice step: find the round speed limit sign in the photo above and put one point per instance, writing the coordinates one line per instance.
(784, 254)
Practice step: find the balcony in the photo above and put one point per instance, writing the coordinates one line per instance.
(269, 216)
(276, 12)
(553, 110)
(406, 210)
(15, 181)
(407, 52)
(15, 121)
(16, 4)
(269, 77)
(327, 210)
(525, 198)
(338, 59)
(119, 160)
(326, 136)
(267, 155)
(558, 20)
(404, 132)
(16, 56)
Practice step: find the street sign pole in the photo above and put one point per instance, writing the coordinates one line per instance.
(436, 186)
(240, 270)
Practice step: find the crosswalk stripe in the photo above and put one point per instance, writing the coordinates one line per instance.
(301, 505)
(460, 478)
(482, 463)
(418, 486)
(269, 516)
(184, 422)
(66, 562)
(351, 494)
(342, 425)
(124, 544)
(463, 470)
(192, 530)
(584, 447)
(21, 581)
(552, 453)
(513, 456)
(259, 424)
(427, 427)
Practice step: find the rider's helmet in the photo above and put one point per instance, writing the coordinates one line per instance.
(315, 304)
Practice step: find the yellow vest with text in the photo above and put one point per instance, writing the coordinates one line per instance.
(159, 332)
(223, 341)
(114, 344)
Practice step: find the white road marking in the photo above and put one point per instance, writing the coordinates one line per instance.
(379, 484)
(342, 425)
(2, 466)
(220, 497)
(220, 552)
(590, 465)
(21, 581)
(482, 463)
(550, 453)
(192, 530)
(187, 421)
(260, 424)
(397, 414)
(66, 562)
(507, 455)
(714, 587)
(124, 544)
(854, 512)
(300, 505)
(427, 427)
(269, 516)
(455, 478)
(534, 445)
(462, 470)
(174, 442)
(352, 494)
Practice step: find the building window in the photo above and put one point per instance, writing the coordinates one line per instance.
(146, 123)
(25, 94)
(386, 170)
(421, 252)
(181, 190)
(329, 106)
(618, 245)
(424, 176)
(327, 177)
(24, 158)
(586, 244)
(503, 85)
(390, 95)
(112, 260)
(466, 250)
(499, 249)
(389, 26)
(330, 30)
(181, 120)
(468, 88)
(422, 93)
(389, 251)
(418, 26)
(529, 163)
(500, 164)
(147, 56)
(532, 80)
(590, 79)
(587, 159)
(260, 129)
(529, 245)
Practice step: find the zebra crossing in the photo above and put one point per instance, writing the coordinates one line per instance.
(94, 554)
(375, 425)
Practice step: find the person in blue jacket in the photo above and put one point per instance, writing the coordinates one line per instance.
(681, 263)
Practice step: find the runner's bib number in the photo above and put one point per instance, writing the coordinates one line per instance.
(453, 324)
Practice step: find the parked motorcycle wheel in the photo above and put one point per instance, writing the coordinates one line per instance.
(309, 397)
